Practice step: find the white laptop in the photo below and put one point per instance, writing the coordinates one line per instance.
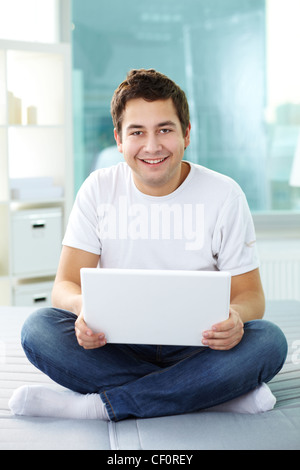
(154, 306)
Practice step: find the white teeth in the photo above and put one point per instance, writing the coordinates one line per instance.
(154, 161)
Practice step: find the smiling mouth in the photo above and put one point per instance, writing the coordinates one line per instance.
(154, 161)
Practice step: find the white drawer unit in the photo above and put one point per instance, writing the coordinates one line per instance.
(36, 241)
(35, 295)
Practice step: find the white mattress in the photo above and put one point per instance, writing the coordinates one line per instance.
(277, 429)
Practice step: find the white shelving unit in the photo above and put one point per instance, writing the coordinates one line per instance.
(35, 142)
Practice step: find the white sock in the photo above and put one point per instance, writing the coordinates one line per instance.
(38, 400)
(256, 401)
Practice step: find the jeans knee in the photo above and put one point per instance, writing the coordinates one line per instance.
(45, 327)
(33, 327)
(271, 342)
(277, 340)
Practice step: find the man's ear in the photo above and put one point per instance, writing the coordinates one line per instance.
(118, 140)
(187, 137)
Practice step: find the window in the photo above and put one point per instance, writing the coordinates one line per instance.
(29, 20)
(237, 60)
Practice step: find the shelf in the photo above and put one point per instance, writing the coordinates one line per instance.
(37, 80)
(43, 147)
(35, 142)
(4, 196)
(4, 240)
(36, 276)
(17, 204)
(32, 126)
(5, 291)
(2, 90)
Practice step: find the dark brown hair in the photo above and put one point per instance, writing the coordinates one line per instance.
(151, 86)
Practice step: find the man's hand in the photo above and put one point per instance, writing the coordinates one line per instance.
(86, 337)
(225, 335)
(247, 302)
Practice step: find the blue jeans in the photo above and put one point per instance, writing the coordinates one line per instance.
(144, 381)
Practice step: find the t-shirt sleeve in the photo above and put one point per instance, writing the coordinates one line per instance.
(234, 241)
(82, 228)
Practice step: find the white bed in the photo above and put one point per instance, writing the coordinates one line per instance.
(276, 429)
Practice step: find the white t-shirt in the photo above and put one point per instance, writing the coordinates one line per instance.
(205, 224)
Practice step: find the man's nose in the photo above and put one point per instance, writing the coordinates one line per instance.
(152, 144)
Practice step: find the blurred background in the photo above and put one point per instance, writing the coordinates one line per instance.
(237, 61)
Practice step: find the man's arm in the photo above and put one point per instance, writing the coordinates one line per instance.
(247, 303)
(247, 295)
(66, 292)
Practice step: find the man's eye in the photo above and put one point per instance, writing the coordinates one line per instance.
(165, 131)
(137, 133)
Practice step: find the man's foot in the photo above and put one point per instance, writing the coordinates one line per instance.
(256, 401)
(38, 400)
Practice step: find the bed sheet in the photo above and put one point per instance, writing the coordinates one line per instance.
(277, 429)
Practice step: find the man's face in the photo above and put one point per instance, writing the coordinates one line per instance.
(153, 145)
